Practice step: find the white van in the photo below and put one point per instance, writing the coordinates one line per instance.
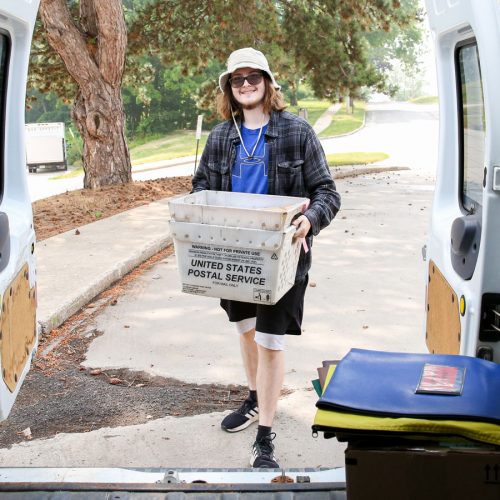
(463, 293)
(18, 332)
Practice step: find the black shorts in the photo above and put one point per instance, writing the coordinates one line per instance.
(284, 317)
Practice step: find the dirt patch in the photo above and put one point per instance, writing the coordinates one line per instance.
(63, 212)
(74, 400)
(59, 395)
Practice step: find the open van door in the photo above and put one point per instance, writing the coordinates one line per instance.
(18, 332)
(463, 285)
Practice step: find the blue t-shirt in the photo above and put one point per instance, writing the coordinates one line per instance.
(250, 174)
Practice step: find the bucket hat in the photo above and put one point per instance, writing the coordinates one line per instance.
(246, 58)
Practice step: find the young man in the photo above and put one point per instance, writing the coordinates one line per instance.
(262, 149)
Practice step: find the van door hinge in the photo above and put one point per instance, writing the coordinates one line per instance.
(496, 178)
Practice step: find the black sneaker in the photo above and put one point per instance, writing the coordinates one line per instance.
(263, 453)
(247, 414)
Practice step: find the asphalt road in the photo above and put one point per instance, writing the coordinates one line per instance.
(408, 133)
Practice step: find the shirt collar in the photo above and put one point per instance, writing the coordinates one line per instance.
(272, 126)
(233, 133)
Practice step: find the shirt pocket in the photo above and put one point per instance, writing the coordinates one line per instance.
(218, 176)
(291, 178)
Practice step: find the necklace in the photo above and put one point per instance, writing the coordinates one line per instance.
(256, 142)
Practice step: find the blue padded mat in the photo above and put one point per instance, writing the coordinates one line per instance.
(385, 383)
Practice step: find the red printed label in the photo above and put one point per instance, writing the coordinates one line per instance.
(441, 379)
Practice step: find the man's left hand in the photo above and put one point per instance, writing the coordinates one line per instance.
(303, 226)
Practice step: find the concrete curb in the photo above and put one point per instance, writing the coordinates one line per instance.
(71, 306)
(182, 161)
(347, 133)
(354, 171)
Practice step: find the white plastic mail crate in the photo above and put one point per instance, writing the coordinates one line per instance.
(224, 208)
(228, 250)
(249, 265)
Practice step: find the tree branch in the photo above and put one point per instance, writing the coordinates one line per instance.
(112, 41)
(88, 17)
(68, 42)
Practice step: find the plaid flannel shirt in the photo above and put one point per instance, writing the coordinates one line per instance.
(297, 167)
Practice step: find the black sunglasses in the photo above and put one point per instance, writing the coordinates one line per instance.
(253, 79)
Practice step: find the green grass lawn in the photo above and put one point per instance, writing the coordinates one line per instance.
(71, 173)
(314, 108)
(343, 122)
(174, 145)
(342, 159)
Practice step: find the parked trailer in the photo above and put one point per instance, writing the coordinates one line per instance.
(45, 146)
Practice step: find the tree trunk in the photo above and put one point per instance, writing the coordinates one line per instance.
(100, 121)
(94, 55)
(293, 92)
(349, 104)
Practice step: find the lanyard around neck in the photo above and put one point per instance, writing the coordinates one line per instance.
(243, 142)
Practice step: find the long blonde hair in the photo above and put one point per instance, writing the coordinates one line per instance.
(226, 103)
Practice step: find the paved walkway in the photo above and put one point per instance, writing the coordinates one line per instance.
(74, 268)
(323, 122)
(369, 291)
